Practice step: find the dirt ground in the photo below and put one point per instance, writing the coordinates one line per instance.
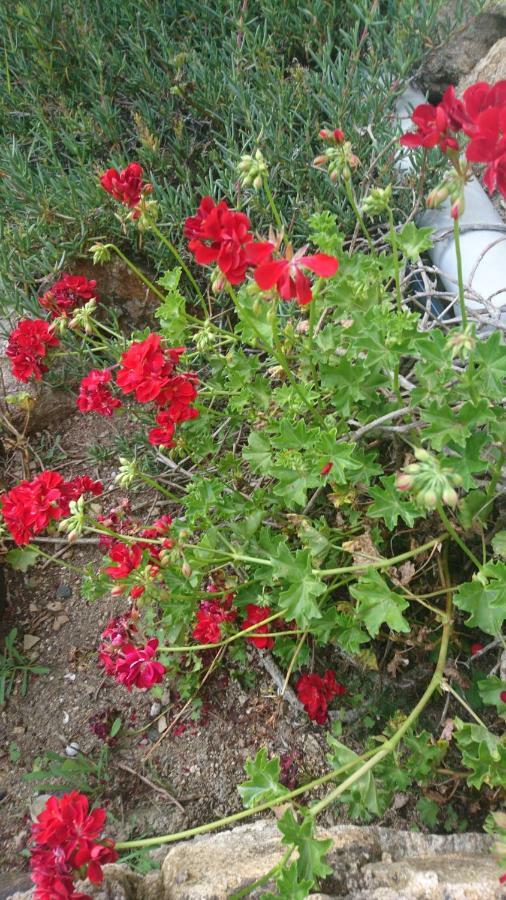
(199, 767)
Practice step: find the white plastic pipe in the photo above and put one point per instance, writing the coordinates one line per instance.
(483, 250)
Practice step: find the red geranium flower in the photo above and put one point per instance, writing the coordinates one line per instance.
(288, 277)
(94, 396)
(126, 186)
(27, 346)
(146, 368)
(314, 692)
(258, 614)
(30, 506)
(435, 123)
(220, 235)
(210, 615)
(479, 97)
(128, 557)
(64, 843)
(136, 668)
(67, 293)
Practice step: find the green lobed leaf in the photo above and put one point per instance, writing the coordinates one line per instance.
(263, 784)
(289, 886)
(377, 604)
(484, 599)
(412, 241)
(391, 505)
(22, 558)
(310, 864)
(490, 690)
(483, 753)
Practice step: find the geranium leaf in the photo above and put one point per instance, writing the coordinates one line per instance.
(310, 864)
(490, 690)
(413, 241)
(289, 886)
(263, 784)
(21, 558)
(390, 505)
(377, 604)
(485, 599)
(482, 752)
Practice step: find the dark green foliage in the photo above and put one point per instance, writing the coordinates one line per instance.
(185, 88)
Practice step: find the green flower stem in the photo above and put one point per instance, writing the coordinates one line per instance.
(57, 561)
(140, 275)
(270, 199)
(281, 359)
(248, 632)
(237, 895)
(312, 324)
(161, 296)
(177, 256)
(458, 540)
(390, 745)
(460, 277)
(158, 487)
(102, 327)
(384, 563)
(353, 203)
(395, 257)
(244, 813)
(447, 687)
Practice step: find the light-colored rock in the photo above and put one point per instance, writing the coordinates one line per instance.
(466, 47)
(491, 68)
(29, 641)
(46, 406)
(368, 863)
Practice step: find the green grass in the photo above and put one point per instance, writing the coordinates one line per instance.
(185, 88)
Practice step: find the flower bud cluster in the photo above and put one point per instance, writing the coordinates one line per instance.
(429, 481)
(377, 201)
(252, 170)
(127, 472)
(338, 157)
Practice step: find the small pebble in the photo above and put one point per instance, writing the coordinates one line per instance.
(155, 709)
(60, 621)
(63, 591)
(72, 749)
(162, 724)
(29, 641)
(69, 676)
(66, 718)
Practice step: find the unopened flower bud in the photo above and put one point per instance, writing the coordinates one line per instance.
(457, 208)
(403, 482)
(437, 196)
(428, 499)
(422, 454)
(101, 253)
(450, 496)
(117, 590)
(186, 569)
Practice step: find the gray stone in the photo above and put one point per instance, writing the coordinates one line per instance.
(368, 863)
(491, 68)
(465, 48)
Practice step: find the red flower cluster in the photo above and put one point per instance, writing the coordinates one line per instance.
(210, 615)
(65, 846)
(257, 614)
(27, 346)
(481, 115)
(147, 371)
(288, 277)
(128, 556)
(95, 396)
(67, 293)
(126, 186)
(315, 692)
(332, 135)
(30, 506)
(130, 665)
(220, 235)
